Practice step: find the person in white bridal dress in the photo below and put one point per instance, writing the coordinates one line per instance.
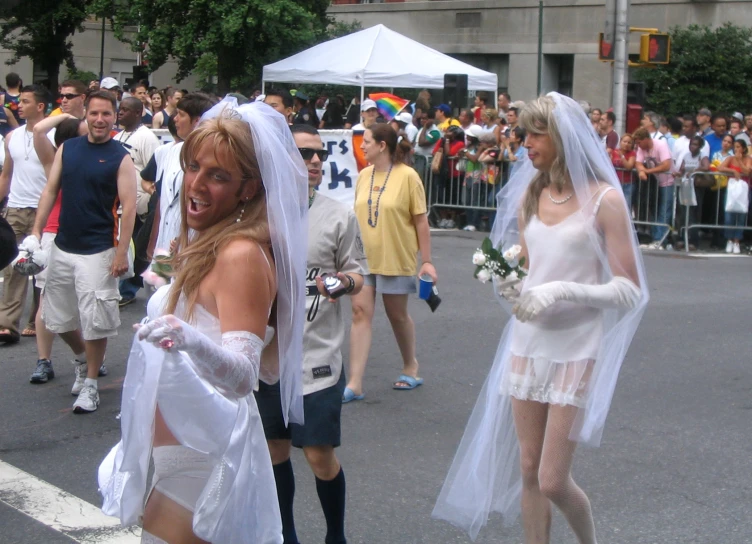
(573, 317)
(239, 277)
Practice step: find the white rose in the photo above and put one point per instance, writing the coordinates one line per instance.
(479, 258)
(512, 253)
(511, 276)
(484, 276)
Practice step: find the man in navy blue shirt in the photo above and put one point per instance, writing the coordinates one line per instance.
(96, 176)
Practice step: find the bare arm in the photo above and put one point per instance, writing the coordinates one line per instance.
(49, 194)
(617, 232)
(424, 245)
(156, 121)
(12, 123)
(127, 196)
(7, 173)
(42, 144)
(629, 163)
(726, 168)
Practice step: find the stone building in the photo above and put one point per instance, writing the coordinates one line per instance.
(501, 36)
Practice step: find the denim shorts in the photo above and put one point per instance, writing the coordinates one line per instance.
(391, 285)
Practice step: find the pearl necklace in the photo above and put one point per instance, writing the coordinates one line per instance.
(562, 201)
(372, 222)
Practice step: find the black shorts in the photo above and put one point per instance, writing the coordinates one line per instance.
(322, 411)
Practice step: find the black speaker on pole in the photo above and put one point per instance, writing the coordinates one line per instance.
(455, 91)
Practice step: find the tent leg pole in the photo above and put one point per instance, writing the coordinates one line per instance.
(362, 93)
(263, 85)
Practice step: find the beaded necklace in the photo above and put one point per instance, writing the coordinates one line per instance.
(310, 199)
(372, 222)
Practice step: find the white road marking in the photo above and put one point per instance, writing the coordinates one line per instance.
(77, 519)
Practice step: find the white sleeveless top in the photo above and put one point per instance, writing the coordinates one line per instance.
(28, 179)
(565, 331)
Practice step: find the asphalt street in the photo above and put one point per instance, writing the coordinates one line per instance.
(674, 466)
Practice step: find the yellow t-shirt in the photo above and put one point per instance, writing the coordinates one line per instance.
(448, 123)
(56, 111)
(392, 245)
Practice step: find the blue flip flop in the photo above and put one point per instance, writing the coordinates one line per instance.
(349, 396)
(412, 383)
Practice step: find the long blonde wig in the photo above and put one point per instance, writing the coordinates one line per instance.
(537, 117)
(196, 255)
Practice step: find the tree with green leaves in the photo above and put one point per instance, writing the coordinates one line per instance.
(710, 67)
(41, 30)
(230, 38)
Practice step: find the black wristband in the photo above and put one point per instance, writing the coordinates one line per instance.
(351, 287)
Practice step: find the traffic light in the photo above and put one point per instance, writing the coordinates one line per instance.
(655, 48)
(605, 49)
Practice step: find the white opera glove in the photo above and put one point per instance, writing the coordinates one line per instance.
(619, 292)
(30, 244)
(509, 288)
(232, 367)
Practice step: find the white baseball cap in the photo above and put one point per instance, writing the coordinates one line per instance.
(109, 83)
(368, 104)
(474, 131)
(404, 117)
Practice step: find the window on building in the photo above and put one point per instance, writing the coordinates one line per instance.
(558, 74)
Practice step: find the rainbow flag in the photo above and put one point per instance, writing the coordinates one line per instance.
(388, 104)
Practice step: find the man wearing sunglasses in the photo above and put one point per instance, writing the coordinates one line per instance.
(334, 248)
(71, 99)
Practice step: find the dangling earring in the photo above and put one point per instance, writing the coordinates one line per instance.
(242, 211)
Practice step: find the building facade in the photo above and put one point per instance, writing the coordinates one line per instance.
(501, 36)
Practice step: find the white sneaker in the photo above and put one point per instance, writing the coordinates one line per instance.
(442, 224)
(469, 228)
(729, 246)
(80, 370)
(737, 249)
(87, 401)
(656, 245)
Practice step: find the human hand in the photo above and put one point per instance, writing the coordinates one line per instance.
(643, 176)
(428, 268)
(168, 332)
(30, 244)
(322, 290)
(508, 288)
(119, 264)
(536, 300)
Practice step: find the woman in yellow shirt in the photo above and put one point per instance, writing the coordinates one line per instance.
(390, 205)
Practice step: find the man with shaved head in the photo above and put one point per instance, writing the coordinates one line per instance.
(140, 143)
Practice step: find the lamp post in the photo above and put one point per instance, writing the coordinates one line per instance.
(540, 46)
(101, 51)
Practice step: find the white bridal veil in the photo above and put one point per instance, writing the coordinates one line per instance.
(485, 475)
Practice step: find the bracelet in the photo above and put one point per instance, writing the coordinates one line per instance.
(350, 288)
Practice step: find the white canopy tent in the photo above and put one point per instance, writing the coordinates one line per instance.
(375, 57)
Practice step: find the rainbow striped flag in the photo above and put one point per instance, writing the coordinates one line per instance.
(389, 105)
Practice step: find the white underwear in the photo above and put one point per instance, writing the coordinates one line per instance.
(181, 474)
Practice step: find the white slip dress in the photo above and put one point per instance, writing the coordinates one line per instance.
(552, 356)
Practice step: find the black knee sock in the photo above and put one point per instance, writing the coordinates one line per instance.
(285, 480)
(332, 497)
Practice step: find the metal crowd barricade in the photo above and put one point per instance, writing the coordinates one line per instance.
(453, 190)
(645, 202)
(700, 194)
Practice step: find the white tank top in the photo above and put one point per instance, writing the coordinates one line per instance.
(28, 179)
(562, 252)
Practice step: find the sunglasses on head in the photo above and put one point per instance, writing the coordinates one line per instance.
(69, 96)
(307, 153)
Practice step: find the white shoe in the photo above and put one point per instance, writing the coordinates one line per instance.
(737, 249)
(443, 224)
(656, 245)
(729, 246)
(87, 401)
(469, 228)
(80, 370)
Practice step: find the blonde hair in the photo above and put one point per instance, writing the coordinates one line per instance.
(491, 113)
(537, 117)
(196, 257)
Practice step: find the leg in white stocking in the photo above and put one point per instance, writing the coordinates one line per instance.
(530, 422)
(555, 475)
(148, 538)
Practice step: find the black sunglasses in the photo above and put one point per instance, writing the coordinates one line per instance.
(69, 96)
(307, 153)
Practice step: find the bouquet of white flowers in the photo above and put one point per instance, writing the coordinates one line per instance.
(490, 261)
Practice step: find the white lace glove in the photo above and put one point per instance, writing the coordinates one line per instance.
(232, 367)
(618, 292)
(508, 288)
